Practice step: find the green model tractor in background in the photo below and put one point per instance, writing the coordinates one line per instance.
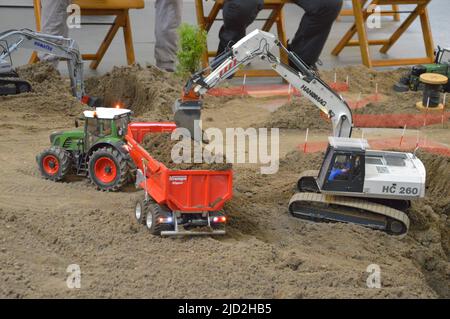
(97, 151)
(441, 65)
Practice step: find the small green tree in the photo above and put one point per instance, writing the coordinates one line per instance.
(192, 46)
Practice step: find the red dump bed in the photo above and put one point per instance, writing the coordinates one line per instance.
(182, 190)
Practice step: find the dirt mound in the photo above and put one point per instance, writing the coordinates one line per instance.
(51, 94)
(147, 91)
(430, 227)
(259, 200)
(160, 145)
(301, 113)
(266, 254)
(298, 114)
(396, 103)
(257, 196)
(364, 80)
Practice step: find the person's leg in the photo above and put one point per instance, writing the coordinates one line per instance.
(167, 20)
(54, 17)
(314, 28)
(237, 16)
(54, 22)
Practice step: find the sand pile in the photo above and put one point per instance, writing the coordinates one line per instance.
(363, 79)
(51, 94)
(430, 227)
(147, 91)
(267, 253)
(160, 145)
(259, 208)
(257, 197)
(301, 113)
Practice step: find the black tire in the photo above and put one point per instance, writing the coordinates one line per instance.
(140, 210)
(117, 177)
(23, 88)
(395, 227)
(54, 163)
(153, 212)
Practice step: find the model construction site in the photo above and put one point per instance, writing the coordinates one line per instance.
(88, 178)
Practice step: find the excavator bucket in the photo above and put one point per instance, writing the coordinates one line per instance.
(187, 115)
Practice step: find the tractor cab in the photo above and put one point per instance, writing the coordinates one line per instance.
(343, 168)
(105, 124)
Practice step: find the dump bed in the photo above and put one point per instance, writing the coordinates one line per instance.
(180, 190)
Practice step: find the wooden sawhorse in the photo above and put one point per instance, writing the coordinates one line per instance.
(361, 16)
(118, 8)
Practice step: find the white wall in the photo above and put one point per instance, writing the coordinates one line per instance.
(16, 2)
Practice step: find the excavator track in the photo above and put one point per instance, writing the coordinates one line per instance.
(12, 86)
(310, 204)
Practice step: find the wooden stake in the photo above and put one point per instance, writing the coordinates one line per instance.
(289, 93)
(359, 99)
(443, 110)
(426, 112)
(403, 134)
(306, 140)
(376, 91)
(417, 140)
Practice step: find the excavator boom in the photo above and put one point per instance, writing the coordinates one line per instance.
(258, 44)
(62, 48)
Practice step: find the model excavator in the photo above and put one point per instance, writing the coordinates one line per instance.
(60, 47)
(354, 184)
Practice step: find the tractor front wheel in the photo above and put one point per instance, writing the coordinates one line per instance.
(108, 170)
(54, 163)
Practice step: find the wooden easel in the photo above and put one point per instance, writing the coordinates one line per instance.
(361, 16)
(119, 9)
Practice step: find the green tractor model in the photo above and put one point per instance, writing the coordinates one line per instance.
(441, 65)
(98, 151)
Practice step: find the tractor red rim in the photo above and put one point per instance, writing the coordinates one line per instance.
(50, 163)
(105, 170)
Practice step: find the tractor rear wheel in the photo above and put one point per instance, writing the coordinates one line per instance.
(54, 163)
(108, 169)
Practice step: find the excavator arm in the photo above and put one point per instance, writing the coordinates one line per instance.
(63, 48)
(258, 44)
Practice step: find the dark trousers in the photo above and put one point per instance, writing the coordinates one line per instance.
(311, 35)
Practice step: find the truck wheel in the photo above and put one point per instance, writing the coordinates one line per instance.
(54, 163)
(153, 213)
(108, 170)
(140, 211)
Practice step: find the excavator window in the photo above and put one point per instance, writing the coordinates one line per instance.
(341, 168)
(356, 166)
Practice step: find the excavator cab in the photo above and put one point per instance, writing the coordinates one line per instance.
(343, 168)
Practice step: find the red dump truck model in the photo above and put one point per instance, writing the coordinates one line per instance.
(176, 202)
